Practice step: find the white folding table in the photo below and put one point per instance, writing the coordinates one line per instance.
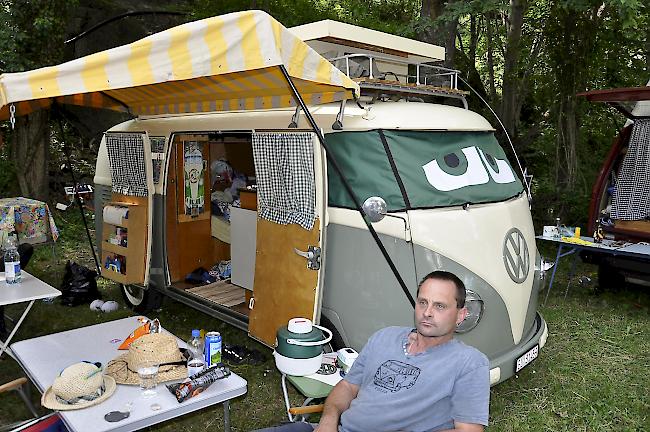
(44, 357)
(29, 290)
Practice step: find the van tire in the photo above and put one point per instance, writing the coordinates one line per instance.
(337, 341)
(141, 300)
(610, 279)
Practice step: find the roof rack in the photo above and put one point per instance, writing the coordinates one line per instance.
(382, 76)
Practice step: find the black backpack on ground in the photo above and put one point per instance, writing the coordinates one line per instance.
(79, 285)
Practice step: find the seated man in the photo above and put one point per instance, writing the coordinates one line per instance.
(418, 379)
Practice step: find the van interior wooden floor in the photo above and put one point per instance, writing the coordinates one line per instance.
(220, 292)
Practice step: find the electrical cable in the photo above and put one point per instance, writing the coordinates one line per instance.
(512, 146)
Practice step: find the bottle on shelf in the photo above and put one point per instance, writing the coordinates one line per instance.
(195, 361)
(12, 262)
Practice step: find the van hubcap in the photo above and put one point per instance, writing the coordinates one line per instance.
(134, 294)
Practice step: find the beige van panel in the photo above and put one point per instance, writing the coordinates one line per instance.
(455, 233)
(396, 225)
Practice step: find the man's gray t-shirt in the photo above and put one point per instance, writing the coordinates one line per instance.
(427, 391)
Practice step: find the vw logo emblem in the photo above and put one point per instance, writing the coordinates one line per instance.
(515, 255)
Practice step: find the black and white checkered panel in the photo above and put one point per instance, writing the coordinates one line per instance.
(127, 161)
(284, 168)
(632, 197)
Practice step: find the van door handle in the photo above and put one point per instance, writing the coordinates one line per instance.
(312, 255)
(309, 254)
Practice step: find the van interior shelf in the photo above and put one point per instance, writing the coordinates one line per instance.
(123, 243)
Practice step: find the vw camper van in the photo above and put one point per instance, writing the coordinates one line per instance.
(620, 203)
(250, 197)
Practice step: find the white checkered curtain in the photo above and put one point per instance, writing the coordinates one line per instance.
(632, 197)
(126, 157)
(284, 168)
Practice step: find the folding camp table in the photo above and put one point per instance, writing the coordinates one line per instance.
(29, 290)
(44, 357)
(565, 248)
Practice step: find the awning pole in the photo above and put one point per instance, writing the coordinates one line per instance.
(348, 188)
(75, 188)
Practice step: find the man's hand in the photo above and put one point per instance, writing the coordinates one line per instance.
(338, 401)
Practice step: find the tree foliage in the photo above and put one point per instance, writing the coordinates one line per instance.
(31, 36)
(565, 47)
(527, 58)
(32, 33)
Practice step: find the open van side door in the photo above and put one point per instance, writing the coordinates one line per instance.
(187, 205)
(288, 264)
(126, 241)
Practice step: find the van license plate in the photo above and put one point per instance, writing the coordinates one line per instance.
(528, 357)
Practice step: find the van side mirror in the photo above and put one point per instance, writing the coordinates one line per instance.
(375, 208)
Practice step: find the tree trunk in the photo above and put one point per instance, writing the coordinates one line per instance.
(490, 58)
(474, 34)
(511, 79)
(647, 48)
(567, 141)
(29, 151)
(442, 32)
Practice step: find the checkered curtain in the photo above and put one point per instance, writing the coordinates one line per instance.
(632, 198)
(284, 168)
(126, 158)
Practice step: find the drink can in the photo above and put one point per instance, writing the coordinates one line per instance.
(212, 348)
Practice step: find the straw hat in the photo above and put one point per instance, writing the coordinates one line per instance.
(79, 386)
(159, 348)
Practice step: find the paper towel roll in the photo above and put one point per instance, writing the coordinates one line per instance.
(114, 214)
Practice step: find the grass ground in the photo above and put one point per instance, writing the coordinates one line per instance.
(591, 376)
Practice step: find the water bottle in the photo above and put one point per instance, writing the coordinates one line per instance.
(195, 362)
(12, 263)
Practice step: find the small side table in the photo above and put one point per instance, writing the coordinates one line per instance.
(29, 290)
(29, 218)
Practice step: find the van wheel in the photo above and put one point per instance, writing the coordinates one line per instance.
(141, 300)
(609, 279)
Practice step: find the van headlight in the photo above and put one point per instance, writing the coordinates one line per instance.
(474, 306)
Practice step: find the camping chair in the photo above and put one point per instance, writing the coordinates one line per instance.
(311, 389)
(21, 386)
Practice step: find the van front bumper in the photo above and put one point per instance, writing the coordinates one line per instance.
(503, 366)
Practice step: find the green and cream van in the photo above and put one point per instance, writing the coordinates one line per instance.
(433, 179)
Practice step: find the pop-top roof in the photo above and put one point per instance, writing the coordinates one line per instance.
(348, 35)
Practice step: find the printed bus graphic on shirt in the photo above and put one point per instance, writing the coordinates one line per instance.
(394, 375)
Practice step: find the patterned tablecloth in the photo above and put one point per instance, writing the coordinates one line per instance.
(30, 218)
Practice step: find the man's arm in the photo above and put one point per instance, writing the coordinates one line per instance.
(338, 401)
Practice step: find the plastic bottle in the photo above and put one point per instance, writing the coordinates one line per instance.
(12, 263)
(195, 362)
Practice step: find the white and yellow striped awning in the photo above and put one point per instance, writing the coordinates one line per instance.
(225, 63)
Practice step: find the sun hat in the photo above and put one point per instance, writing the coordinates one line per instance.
(80, 385)
(160, 348)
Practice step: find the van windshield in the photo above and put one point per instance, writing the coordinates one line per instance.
(420, 169)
